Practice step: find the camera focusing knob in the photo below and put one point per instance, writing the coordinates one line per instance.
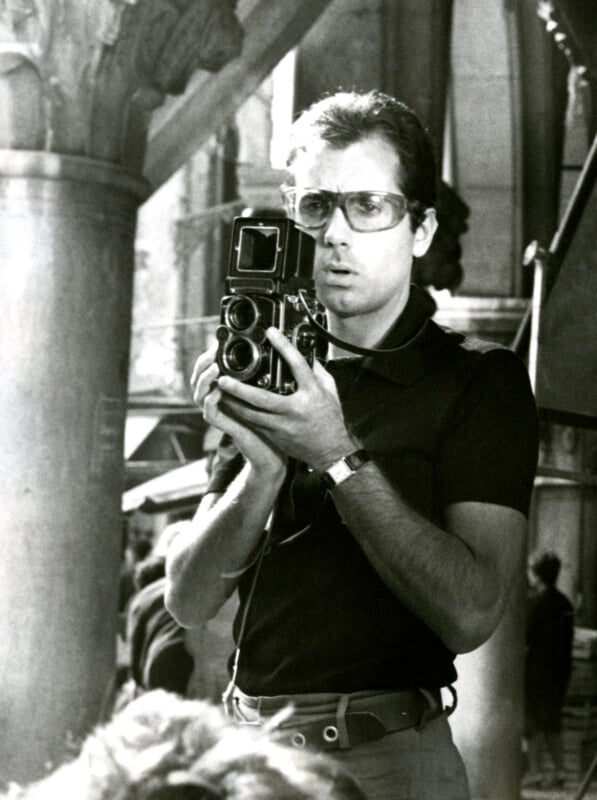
(303, 338)
(222, 333)
(258, 335)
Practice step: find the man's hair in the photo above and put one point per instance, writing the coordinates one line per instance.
(547, 567)
(163, 747)
(345, 118)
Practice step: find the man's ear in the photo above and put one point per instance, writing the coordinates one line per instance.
(424, 233)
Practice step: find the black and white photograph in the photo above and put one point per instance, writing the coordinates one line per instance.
(298, 388)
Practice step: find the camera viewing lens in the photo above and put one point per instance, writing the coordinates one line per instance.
(241, 314)
(241, 357)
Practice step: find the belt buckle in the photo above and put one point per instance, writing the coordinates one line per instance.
(429, 712)
(433, 709)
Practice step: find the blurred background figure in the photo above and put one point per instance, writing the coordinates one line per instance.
(550, 630)
(137, 545)
(163, 747)
(158, 656)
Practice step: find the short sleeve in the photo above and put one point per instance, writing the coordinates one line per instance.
(227, 463)
(488, 452)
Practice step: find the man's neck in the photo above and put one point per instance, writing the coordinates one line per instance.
(363, 330)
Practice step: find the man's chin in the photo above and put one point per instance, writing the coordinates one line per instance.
(341, 308)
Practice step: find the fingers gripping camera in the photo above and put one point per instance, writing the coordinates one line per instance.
(269, 284)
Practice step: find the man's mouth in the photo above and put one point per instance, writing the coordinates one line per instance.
(337, 269)
(336, 276)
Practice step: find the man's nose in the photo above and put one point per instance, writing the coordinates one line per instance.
(337, 230)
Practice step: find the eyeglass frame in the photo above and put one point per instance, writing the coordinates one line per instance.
(339, 201)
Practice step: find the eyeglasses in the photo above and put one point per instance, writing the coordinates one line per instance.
(365, 212)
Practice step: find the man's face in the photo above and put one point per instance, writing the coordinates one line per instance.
(359, 274)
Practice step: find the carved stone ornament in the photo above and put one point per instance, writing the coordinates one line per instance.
(82, 77)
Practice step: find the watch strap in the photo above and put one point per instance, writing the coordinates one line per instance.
(346, 466)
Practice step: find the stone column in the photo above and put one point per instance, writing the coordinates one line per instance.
(66, 242)
(78, 82)
(488, 722)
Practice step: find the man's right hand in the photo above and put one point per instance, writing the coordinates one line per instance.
(206, 560)
(262, 456)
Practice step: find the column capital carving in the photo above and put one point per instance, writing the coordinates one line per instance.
(82, 77)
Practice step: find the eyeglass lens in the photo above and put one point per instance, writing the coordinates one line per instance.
(364, 211)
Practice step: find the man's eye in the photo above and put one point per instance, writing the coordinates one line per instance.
(367, 205)
(313, 203)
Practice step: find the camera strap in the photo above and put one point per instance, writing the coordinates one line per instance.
(353, 348)
(228, 692)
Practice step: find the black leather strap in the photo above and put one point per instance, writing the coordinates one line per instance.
(353, 348)
(383, 715)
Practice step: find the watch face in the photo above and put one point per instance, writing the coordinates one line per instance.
(345, 467)
(338, 472)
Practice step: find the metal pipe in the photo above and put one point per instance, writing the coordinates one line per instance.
(563, 237)
(538, 257)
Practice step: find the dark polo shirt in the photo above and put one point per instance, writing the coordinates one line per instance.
(447, 419)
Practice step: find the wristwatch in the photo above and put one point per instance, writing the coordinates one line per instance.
(346, 466)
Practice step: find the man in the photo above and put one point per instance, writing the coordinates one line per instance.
(379, 568)
(550, 634)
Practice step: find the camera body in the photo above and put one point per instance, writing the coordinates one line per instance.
(269, 284)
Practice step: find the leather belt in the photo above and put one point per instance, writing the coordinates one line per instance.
(364, 720)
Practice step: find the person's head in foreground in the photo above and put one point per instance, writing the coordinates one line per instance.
(163, 747)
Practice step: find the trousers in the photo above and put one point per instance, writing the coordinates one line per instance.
(420, 762)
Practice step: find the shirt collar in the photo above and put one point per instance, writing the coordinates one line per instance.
(420, 341)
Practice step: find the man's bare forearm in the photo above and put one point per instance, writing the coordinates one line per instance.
(206, 559)
(455, 580)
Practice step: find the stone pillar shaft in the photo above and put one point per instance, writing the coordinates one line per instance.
(66, 243)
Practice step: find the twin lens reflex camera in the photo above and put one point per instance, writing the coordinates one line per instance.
(269, 283)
